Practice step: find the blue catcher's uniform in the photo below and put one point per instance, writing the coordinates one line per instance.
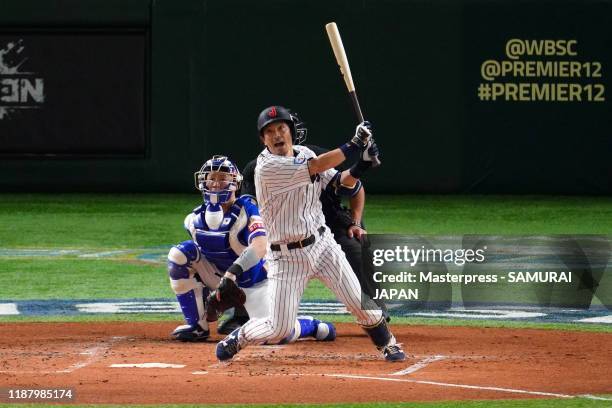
(218, 239)
(197, 265)
(222, 246)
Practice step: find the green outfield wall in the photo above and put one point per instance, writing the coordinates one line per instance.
(466, 96)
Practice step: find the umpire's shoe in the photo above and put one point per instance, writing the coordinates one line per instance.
(229, 346)
(190, 333)
(393, 352)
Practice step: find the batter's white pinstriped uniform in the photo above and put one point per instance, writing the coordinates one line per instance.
(290, 207)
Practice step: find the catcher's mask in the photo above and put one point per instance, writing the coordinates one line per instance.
(217, 179)
(278, 113)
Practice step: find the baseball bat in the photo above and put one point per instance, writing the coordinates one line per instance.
(336, 44)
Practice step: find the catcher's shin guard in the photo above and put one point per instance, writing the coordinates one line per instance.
(189, 307)
(311, 327)
(307, 326)
(324, 331)
(190, 295)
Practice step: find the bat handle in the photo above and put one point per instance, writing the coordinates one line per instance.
(375, 161)
(356, 106)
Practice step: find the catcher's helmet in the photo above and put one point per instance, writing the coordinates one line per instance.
(217, 179)
(278, 113)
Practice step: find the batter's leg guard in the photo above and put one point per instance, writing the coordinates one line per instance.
(385, 341)
(190, 293)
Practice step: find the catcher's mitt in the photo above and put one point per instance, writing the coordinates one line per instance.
(226, 296)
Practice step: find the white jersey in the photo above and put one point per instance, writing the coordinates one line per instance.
(288, 196)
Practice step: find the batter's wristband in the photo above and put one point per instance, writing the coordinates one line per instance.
(348, 149)
(358, 169)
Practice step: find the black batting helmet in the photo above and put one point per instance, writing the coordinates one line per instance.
(278, 113)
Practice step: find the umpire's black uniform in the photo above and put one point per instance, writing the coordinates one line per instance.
(338, 219)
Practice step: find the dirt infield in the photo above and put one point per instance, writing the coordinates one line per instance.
(445, 363)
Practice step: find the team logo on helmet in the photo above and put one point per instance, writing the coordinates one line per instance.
(278, 113)
(217, 179)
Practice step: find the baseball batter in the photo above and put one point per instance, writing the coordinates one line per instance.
(226, 233)
(288, 181)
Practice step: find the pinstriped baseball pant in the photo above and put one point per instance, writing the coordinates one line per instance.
(289, 272)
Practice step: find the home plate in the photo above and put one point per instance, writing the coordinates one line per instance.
(147, 365)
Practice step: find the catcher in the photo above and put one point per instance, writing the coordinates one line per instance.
(228, 239)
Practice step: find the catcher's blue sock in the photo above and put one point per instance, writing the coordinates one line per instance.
(189, 307)
(308, 327)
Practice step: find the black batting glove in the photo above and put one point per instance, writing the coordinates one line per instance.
(368, 153)
(365, 160)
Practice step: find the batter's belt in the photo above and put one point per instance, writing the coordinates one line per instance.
(299, 244)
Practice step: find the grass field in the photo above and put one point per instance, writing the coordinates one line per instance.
(77, 224)
(115, 222)
(128, 221)
(107, 223)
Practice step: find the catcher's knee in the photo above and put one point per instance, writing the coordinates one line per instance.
(176, 272)
(184, 253)
(180, 259)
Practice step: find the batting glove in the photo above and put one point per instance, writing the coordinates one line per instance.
(365, 160)
(370, 151)
(363, 134)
